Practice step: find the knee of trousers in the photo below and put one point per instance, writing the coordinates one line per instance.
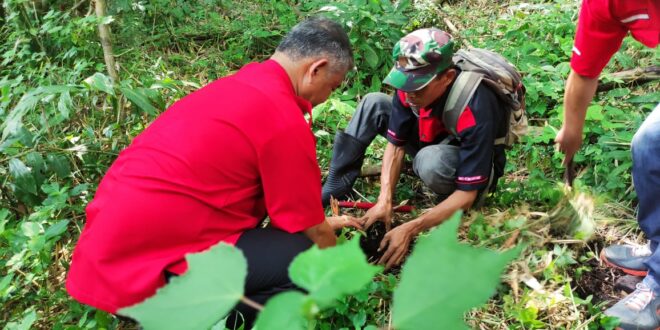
(436, 166)
(646, 143)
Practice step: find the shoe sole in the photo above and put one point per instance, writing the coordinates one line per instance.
(628, 271)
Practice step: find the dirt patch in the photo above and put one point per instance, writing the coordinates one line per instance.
(599, 283)
(371, 241)
(607, 285)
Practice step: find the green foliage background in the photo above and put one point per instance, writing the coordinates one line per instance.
(63, 122)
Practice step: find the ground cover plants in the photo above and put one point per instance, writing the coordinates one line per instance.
(63, 121)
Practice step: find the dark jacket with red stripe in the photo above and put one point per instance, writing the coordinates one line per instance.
(480, 124)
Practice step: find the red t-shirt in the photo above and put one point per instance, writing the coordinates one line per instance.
(602, 26)
(210, 167)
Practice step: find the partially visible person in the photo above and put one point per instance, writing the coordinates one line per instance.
(210, 169)
(601, 28)
(460, 169)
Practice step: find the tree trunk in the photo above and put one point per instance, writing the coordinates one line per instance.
(104, 34)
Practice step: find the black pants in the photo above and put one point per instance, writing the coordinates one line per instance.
(268, 252)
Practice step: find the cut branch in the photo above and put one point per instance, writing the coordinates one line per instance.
(104, 35)
(252, 303)
(77, 5)
(636, 76)
(452, 28)
(455, 32)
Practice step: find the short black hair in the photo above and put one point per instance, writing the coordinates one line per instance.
(318, 36)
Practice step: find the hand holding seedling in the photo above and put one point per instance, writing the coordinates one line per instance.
(396, 242)
(342, 221)
(382, 211)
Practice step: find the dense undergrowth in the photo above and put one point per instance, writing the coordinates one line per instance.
(63, 122)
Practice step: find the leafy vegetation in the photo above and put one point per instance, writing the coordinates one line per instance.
(63, 122)
(429, 292)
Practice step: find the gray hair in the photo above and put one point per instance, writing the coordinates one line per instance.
(317, 36)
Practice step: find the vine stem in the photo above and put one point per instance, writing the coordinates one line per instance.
(252, 303)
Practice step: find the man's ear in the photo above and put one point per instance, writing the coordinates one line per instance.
(316, 66)
(448, 77)
(451, 75)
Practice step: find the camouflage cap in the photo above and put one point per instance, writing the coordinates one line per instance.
(419, 57)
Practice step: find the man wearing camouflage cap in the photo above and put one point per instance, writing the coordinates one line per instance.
(460, 169)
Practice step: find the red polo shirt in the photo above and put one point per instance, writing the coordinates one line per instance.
(602, 26)
(210, 167)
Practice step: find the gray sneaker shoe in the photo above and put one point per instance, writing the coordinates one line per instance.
(638, 310)
(628, 258)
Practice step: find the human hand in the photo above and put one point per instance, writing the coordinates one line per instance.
(569, 140)
(397, 241)
(341, 221)
(382, 211)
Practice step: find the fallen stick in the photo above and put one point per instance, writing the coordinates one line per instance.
(631, 77)
(367, 205)
(455, 32)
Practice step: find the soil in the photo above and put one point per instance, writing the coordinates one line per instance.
(599, 283)
(605, 284)
(371, 241)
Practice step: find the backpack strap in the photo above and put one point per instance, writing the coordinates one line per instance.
(460, 94)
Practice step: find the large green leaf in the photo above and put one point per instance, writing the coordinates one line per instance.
(14, 121)
(284, 311)
(370, 55)
(139, 99)
(442, 279)
(29, 317)
(56, 229)
(37, 165)
(4, 215)
(23, 178)
(58, 164)
(100, 82)
(65, 104)
(330, 273)
(201, 297)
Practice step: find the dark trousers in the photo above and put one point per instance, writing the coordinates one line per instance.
(268, 252)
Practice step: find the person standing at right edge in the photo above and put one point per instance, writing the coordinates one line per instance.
(602, 25)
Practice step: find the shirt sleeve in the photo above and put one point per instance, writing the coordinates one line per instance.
(477, 128)
(402, 121)
(291, 180)
(598, 37)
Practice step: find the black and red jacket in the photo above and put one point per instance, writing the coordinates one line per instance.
(480, 124)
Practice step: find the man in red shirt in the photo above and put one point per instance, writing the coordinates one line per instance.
(210, 169)
(601, 28)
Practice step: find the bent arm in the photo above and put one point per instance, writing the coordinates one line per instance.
(458, 200)
(322, 235)
(391, 169)
(580, 90)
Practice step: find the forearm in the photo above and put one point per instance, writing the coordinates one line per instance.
(577, 97)
(322, 235)
(438, 214)
(391, 169)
